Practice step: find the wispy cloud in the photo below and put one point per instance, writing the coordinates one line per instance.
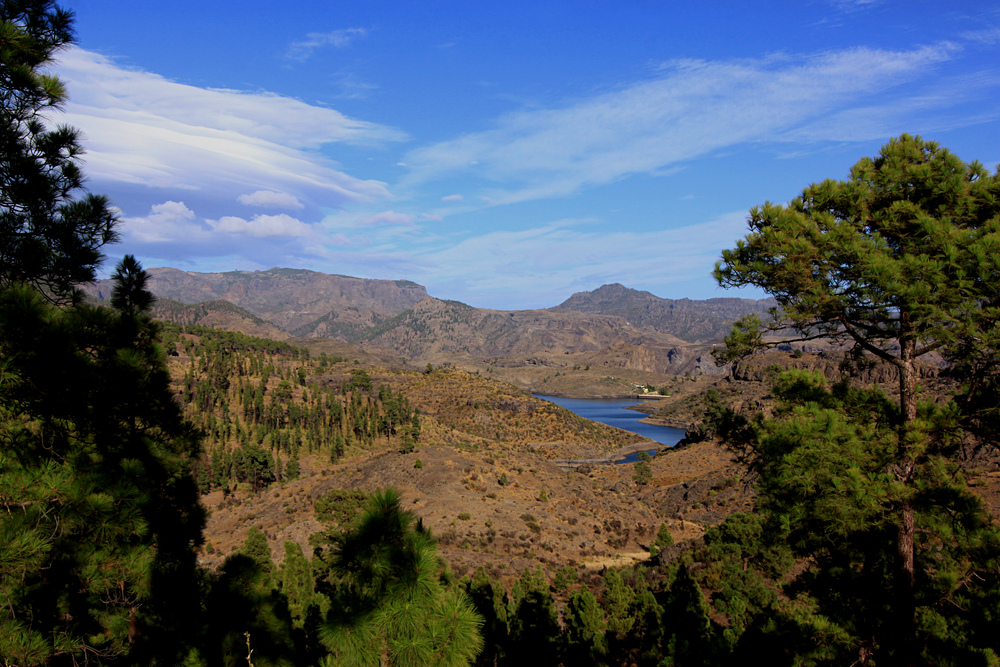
(693, 109)
(988, 36)
(303, 49)
(143, 129)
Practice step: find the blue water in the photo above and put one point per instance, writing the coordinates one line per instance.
(613, 413)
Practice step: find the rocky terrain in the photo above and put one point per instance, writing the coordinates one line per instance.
(588, 518)
(505, 480)
(689, 320)
(296, 301)
(612, 327)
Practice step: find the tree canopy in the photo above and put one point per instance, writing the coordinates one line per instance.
(51, 229)
(899, 260)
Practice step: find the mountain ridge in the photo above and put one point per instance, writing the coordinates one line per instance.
(613, 326)
(688, 319)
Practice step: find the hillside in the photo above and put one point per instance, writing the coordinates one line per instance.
(689, 320)
(612, 326)
(436, 331)
(485, 468)
(299, 302)
(218, 314)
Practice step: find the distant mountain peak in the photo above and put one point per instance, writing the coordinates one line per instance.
(689, 319)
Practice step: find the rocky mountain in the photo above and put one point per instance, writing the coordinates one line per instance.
(689, 320)
(218, 314)
(612, 327)
(297, 301)
(435, 331)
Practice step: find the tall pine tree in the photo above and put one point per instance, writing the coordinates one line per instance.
(899, 261)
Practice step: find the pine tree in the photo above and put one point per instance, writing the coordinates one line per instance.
(296, 581)
(900, 261)
(51, 230)
(617, 603)
(98, 559)
(826, 479)
(388, 600)
(584, 638)
(534, 627)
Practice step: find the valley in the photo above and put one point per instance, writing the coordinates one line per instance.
(435, 401)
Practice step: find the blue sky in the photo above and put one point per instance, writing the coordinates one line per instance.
(503, 154)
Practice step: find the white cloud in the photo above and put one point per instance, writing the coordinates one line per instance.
(166, 222)
(140, 128)
(693, 109)
(452, 198)
(303, 49)
(270, 198)
(262, 226)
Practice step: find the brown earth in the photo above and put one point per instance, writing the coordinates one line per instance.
(591, 518)
(477, 431)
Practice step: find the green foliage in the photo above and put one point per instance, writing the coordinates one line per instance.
(643, 474)
(663, 539)
(389, 602)
(490, 601)
(900, 260)
(293, 469)
(256, 548)
(584, 641)
(617, 603)
(252, 418)
(418, 464)
(100, 513)
(360, 381)
(340, 507)
(51, 230)
(295, 579)
(909, 233)
(243, 601)
(690, 632)
(534, 627)
(564, 577)
(828, 494)
(129, 294)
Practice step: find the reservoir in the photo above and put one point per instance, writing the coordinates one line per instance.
(613, 412)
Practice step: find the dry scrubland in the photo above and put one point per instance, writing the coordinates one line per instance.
(485, 475)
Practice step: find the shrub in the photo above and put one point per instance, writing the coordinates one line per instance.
(663, 540)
